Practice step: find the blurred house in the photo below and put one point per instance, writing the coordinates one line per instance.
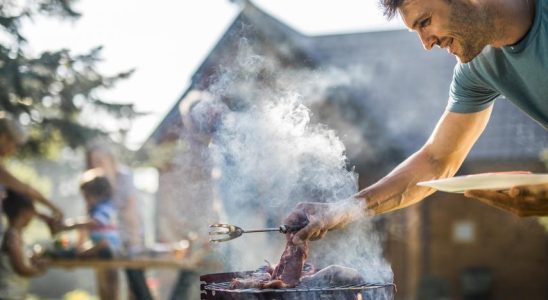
(447, 247)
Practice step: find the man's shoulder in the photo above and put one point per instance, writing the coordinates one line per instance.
(471, 90)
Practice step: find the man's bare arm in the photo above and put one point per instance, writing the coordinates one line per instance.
(440, 157)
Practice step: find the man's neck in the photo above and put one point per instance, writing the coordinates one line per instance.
(513, 18)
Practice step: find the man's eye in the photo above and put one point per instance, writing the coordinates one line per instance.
(425, 22)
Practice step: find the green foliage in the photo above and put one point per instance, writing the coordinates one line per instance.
(50, 92)
(28, 174)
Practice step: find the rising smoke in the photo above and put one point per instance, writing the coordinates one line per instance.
(269, 154)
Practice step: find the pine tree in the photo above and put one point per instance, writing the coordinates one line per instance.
(50, 92)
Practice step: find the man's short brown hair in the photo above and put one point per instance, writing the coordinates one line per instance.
(390, 7)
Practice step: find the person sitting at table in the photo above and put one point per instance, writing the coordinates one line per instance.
(101, 227)
(15, 266)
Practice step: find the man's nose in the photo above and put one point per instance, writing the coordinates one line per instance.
(428, 40)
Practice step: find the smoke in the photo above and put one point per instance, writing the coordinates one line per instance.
(270, 153)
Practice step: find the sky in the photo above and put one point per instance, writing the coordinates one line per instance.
(166, 41)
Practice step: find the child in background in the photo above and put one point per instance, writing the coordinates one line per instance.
(101, 226)
(101, 220)
(15, 266)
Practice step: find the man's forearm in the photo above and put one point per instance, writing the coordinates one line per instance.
(440, 157)
(399, 188)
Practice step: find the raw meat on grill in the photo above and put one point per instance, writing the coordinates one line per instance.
(288, 271)
(292, 271)
(256, 280)
(275, 284)
(333, 275)
(291, 263)
(286, 274)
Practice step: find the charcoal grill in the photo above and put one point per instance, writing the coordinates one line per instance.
(215, 287)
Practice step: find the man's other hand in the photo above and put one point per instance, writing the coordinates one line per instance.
(522, 201)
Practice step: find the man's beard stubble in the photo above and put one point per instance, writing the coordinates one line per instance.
(473, 28)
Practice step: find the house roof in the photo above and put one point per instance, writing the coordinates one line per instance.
(250, 23)
(396, 83)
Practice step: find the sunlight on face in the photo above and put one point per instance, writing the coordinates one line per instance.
(463, 29)
(474, 26)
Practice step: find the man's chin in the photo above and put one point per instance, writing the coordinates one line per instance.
(462, 59)
(468, 56)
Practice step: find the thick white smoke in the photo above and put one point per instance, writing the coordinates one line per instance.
(269, 155)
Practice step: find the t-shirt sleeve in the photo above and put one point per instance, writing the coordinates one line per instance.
(102, 214)
(468, 92)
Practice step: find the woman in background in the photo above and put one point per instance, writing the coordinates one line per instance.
(101, 227)
(124, 197)
(12, 136)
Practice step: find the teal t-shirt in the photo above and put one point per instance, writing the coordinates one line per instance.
(518, 72)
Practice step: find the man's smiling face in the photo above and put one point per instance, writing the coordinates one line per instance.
(464, 30)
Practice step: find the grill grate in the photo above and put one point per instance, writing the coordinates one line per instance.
(223, 286)
(216, 287)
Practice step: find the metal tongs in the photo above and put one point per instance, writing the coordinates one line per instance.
(226, 232)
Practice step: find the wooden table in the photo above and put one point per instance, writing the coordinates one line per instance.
(133, 263)
(101, 265)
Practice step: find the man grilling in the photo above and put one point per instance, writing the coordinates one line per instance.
(502, 49)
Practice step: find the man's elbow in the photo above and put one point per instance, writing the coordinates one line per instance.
(443, 165)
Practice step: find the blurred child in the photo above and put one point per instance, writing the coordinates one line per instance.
(101, 226)
(15, 266)
(101, 220)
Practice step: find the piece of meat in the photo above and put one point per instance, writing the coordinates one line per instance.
(244, 283)
(333, 275)
(291, 263)
(289, 270)
(274, 284)
(286, 274)
(265, 268)
(256, 280)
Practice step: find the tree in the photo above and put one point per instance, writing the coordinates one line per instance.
(51, 92)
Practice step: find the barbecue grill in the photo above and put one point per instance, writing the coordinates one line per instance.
(215, 287)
